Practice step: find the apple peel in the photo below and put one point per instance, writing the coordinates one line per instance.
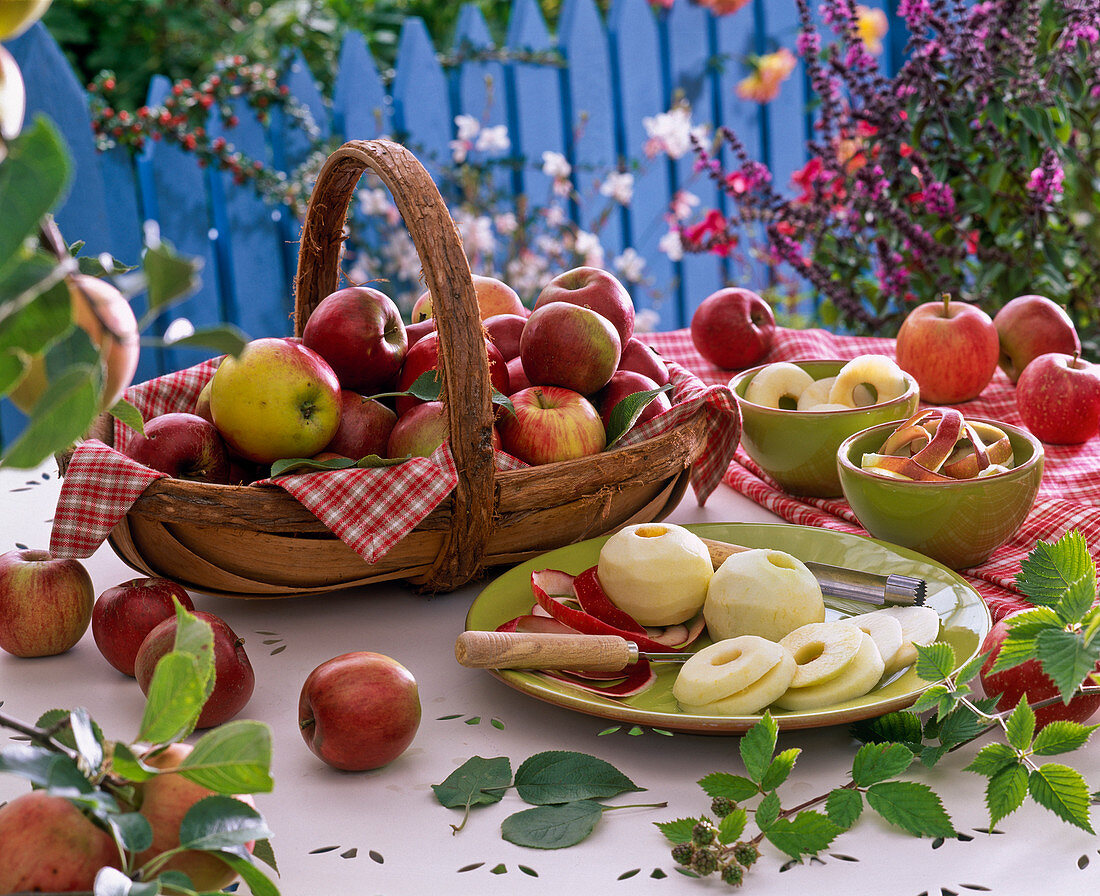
(939, 445)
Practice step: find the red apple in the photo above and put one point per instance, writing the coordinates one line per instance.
(359, 711)
(596, 289)
(276, 399)
(1009, 685)
(504, 331)
(422, 429)
(164, 801)
(570, 346)
(415, 332)
(50, 846)
(643, 359)
(234, 679)
(551, 424)
(624, 383)
(517, 378)
(424, 356)
(1029, 326)
(185, 446)
(951, 348)
(359, 331)
(125, 614)
(45, 602)
(493, 297)
(1058, 397)
(365, 426)
(733, 328)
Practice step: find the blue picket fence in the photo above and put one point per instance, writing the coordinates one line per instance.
(588, 105)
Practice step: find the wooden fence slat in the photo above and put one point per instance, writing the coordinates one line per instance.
(421, 104)
(361, 108)
(635, 44)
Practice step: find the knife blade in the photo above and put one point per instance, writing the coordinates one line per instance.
(531, 650)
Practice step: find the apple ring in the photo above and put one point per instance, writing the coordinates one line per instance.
(878, 372)
(724, 668)
(858, 677)
(816, 393)
(885, 631)
(822, 650)
(778, 384)
(919, 625)
(749, 701)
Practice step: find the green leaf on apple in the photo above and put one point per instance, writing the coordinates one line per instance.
(221, 822)
(626, 413)
(59, 722)
(1052, 570)
(132, 829)
(1066, 658)
(126, 764)
(12, 367)
(563, 776)
(259, 884)
(182, 682)
(233, 758)
(61, 416)
(35, 305)
(807, 834)
(552, 826)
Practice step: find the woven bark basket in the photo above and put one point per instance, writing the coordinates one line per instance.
(259, 542)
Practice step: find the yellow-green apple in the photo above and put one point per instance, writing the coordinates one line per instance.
(45, 602)
(365, 427)
(50, 846)
(551, 424)
(570, 346)
(597, 289)
(202, 402)
(276, 399)
(359, 331)
(234, 679)
(624, 383)
(164, 800)
(1058, 397)
(124, 614)
(642, 358)
(1028, 678)
(422, 429)
(504, 331)
(733, 327)
(16, 16)
(493, 297)
(359, 711)
(1029, 326)
(415, 332)
(185, 446)
(517, 377)
(951, 349)
(13, 98)
(424, 356)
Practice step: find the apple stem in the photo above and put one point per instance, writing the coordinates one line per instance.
(306, 723)
(40, 736)
(946, 304)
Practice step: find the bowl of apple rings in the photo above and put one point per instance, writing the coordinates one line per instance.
(795, 414)
(954, 489)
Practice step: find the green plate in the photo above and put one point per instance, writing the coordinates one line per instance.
(964, 622)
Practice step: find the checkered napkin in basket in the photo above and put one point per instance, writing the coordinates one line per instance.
(1069, 496)
(369, 509)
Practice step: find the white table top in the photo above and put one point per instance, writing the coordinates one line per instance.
(384, 832)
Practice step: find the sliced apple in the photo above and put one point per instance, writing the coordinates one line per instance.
(878, 373)
(815, 394)
(919, 625)
(857, 678)
(778, 385)
(822, 650)
(884, 630)
(725, 668)
(750, 700)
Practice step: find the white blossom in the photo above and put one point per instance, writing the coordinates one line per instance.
(178, 329)
(670, 132)
(587, 245)
(555, 165)
(554, 215)
(646, 320)
(618, 185)
(467, 127)
(494, 139)
(505, 223)
(630, 265)
(671, 245)
(477, 233)
(374, 202)
(682, 204)
(459, 150)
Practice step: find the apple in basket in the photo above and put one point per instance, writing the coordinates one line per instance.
(493, 297)
(733, 328)
(124, 614)
(551, 424)
(624, 383)
(1058, 397)
(1029, 326)
(365, 427)
(570, 346)
(359, 331)
(597, 289)
(359, 711)
(276, 399)
(45, 602)
(422, 429)
(504, 331)
(424, 356)
(642, 358)
(185, 446)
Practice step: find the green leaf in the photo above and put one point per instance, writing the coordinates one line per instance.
(221, 822)
(59, 722)
(767, 811)
(112, 882)
(1066, 659)
(233, 758)
(175, 699)
(877, 762)
(35, 305)
(626, 413)
(678, 831)
(971, 668)
(61, 416)
(169, 276)
(993, 759)
(132, 829)
(1005, 792)
(732, 787)
(33, 179)
(125, 764)
(912, 806)
(960, 725)
(732, 826)
(262, 850)
(1061, 736)
(757, 747)
(932, 698)
(476, 782)
(844, 806)
(259, 884)
(43, 768)
(1063, 791)
(562, 776)
(222, 339)
(1020, 725)
(780, 769)
(1052, 569)
(935, 662)
(552, 827)
(894, 727)
(804, 835)
(128, 415)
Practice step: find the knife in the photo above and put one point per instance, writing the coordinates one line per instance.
(530, 650)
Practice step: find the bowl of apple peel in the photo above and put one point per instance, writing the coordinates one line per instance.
(952, 488)
(795, 414)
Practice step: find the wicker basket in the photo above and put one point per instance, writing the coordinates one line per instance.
(244, 541)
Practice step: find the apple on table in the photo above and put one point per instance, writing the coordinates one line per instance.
(733, 328)
(124, 615)
(596, 289)
(570, 346)
(1029, 326)
(551, 424)
(1058, 397)
(45, 602)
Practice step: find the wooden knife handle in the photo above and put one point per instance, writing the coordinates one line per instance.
(520, 650)
(720, 550)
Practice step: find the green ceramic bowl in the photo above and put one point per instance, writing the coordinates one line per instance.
(798, 448)
(960, 523)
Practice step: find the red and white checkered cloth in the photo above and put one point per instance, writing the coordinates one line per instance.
(369, 509)
(1069, 496)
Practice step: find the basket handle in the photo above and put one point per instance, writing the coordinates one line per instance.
(464, 363)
